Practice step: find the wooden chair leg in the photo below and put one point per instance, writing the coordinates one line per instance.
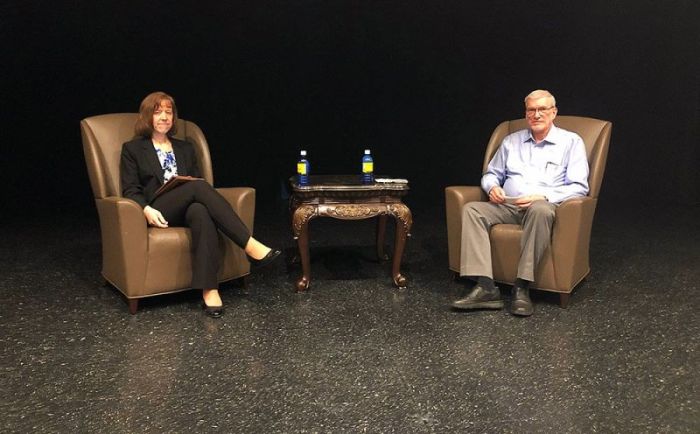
(564, 300)
(133, 305)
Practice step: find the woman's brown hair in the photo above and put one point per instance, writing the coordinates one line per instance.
(144, 124)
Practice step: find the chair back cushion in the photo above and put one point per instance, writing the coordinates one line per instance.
(103, 137)
(594, 132)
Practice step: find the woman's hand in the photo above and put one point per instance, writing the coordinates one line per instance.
(154, 217)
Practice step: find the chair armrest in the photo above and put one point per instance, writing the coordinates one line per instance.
(455, 198)
(124, 240)
(458, 195)
(123, 216)
(571, 237)
(242, 200)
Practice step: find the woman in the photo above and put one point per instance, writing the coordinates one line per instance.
(154, 158)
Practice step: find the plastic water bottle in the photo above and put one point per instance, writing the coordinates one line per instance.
(367, 168)
(303, 169)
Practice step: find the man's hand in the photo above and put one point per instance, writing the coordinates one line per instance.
(526, 201)
(497, 195)
(154, 217)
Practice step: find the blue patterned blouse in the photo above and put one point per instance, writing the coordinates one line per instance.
(168, 163)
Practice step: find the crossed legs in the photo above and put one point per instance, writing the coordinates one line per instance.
(200, 207)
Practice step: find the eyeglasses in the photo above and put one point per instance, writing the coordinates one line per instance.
(530, 112)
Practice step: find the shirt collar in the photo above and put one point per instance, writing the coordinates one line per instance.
(553, 136)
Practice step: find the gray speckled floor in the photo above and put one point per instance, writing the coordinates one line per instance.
(353, 354)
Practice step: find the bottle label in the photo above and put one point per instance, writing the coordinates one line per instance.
(367, 167)
(301, 168)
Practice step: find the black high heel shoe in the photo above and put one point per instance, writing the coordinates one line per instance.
(213, 311)
(271, 256)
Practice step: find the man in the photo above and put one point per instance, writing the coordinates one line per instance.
(533, 171)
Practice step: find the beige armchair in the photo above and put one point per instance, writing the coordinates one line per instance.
(138, 260)
(566, 263)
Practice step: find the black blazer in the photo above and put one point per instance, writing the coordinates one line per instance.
(140, 170)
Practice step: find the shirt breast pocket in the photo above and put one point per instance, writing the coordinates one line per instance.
(553, 172)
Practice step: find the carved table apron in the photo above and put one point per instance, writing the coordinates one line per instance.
(344, 197)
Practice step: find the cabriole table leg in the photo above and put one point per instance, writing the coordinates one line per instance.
(404, 220)
(301, 218)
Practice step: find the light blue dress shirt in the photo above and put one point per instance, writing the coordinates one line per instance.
(556, 168)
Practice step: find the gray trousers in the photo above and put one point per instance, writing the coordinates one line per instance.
(477, 219)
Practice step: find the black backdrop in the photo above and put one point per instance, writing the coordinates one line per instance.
(421, 83)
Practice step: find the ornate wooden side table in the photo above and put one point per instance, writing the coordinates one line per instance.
(345, 197)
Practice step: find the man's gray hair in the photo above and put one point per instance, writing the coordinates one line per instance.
(541, 93)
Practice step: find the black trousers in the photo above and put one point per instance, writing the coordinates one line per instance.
(198, 206)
